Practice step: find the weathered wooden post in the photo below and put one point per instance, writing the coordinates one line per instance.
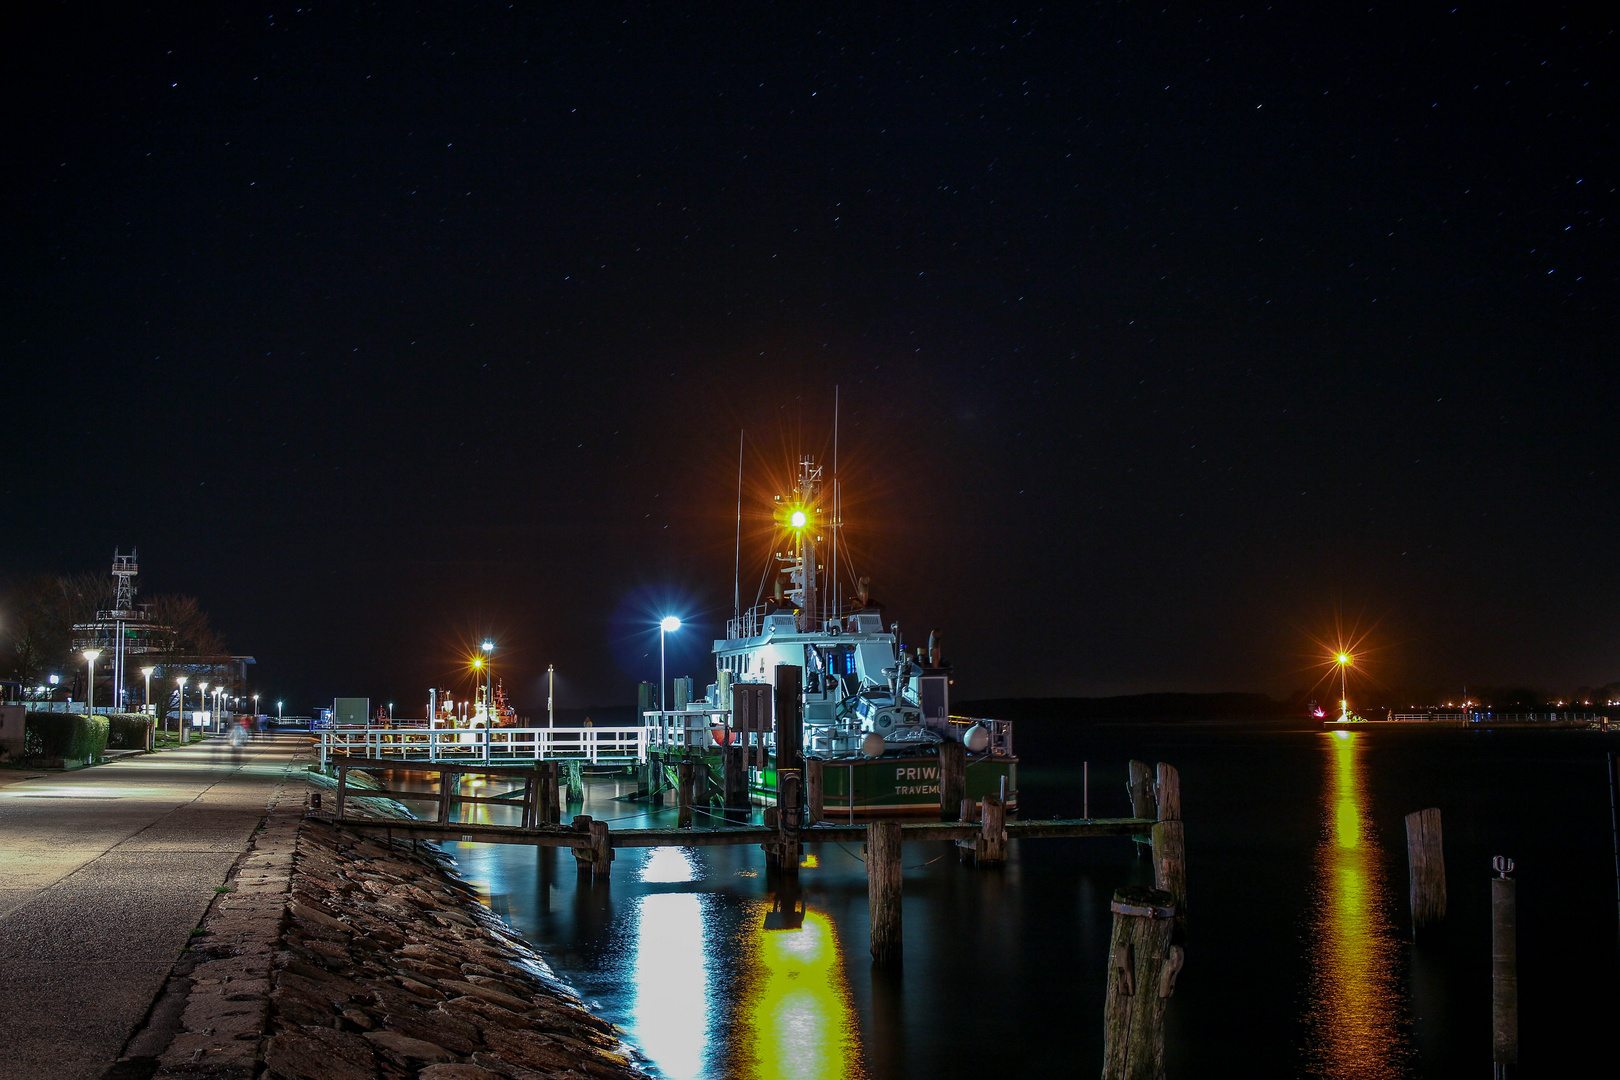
(1426, 868)
(1504, 971)
(583, 860)
(601, 850)
(342, 789)
(789, 816)
(553, 798)
(1142, 970)
(990, 847)
(952, 779)
(447, 790)
(789, 717)
(883, 877)
(1170, 842)
(1140, 787)
(683, 773)
(815, 790)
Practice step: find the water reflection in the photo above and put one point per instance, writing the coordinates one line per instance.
(672, 992)
(1354, 1017)
(797, 1021)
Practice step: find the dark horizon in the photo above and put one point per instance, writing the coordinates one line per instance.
(1168, 349)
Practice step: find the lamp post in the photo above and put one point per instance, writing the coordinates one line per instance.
(180, 681)
(255, 709)
(278, 712)
(90, 697)
(146, 700)
(668, 625)
(1344, 660)
(202, 699)
(551, 695)
(489, 683)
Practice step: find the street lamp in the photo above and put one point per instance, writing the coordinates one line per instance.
(90, 655)
(147, 702)
(202, 699)
(180, 681)
(551, 695)
(1344, 660)
(668, 625)
(278, 712)
(489, 683)
(255, 709)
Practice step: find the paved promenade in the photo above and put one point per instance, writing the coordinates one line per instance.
(103, 874)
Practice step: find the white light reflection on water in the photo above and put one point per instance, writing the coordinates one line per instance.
(672, 1005)
(1356, 1006)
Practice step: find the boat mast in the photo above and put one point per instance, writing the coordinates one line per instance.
(835, 609)
(736, 573)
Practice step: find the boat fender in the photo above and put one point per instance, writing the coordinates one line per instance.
(723, 736)
(873, 745)
(976, 739)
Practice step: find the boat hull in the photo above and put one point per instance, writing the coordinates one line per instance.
(858, 789)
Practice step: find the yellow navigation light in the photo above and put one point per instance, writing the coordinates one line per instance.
(798, 519)
(1344, 658)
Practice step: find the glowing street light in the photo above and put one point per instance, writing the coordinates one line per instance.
(489, 682)
(278, 712)
(180, 681)
(551, 695)
(668, 625)
(91, 655)
(147, 671)
(798, 519)
(1344, 660)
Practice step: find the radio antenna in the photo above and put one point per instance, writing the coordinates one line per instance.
(736, 574)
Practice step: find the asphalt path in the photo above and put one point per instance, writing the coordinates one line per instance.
(103, 874)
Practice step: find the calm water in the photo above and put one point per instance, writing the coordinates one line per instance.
(1299, 959)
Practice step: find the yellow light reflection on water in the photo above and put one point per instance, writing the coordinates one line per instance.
(797, 1018)
(672, 971)
(1356, 1003)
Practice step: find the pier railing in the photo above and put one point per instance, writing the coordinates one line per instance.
(593, 745)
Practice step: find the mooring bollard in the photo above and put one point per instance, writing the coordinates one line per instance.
(1140, 788)
(952, 779)
(683, 774)
(1142, 970)
(1426, 868)
(1504, 971)
(883, 876)
(1170, 843)
(601, 850)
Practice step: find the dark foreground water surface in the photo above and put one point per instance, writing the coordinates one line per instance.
(1299, 956)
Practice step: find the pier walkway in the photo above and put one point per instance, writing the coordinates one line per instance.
(103, 874)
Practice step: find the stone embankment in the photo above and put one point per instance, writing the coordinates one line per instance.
(381, 965)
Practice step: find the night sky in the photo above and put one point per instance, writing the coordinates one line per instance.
(1166, 340)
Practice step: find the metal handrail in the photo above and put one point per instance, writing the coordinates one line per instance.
(592, 745)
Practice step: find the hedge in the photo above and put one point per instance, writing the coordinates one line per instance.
(70, 736)
(128, 731)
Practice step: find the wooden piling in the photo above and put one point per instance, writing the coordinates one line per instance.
(553, 797)
(815, 790)
(582, 856)
(1170, 842)
(1426, 868)
(883, 877)
(789, 818)
(601, 850)
(342, 788)
(952, 779)
(1504, 972)
(789, 717)
(990, 846)
(1141, 791)
(1142, 970)
(734, 777)
(684, 773)
(447, 790)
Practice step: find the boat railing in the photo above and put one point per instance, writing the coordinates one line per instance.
(593, 745)
(685, 729)
(1001, 733)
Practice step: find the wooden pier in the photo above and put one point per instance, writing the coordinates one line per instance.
(1149, 953)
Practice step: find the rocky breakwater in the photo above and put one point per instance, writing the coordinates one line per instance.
(388, 967)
